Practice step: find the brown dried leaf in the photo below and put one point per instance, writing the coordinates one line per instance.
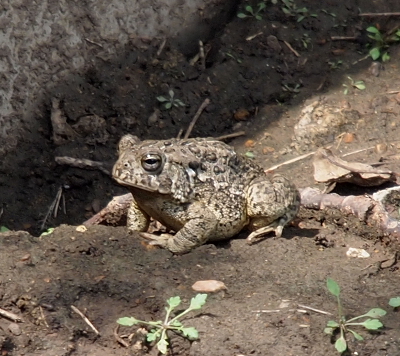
(329, 168)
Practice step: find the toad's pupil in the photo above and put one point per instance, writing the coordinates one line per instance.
(151, 161)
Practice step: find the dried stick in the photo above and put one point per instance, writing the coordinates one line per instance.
(270, 169)
(202, 56)
(119, 338)
(232, 135)
(313, 309)
(161, 47)
(343, 38)
(11, 316)
(195, 117)
(82, 163)
(114, 213)
(87, 321)
(292, 49)
(371, 14)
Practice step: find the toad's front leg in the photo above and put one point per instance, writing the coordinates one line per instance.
(199, 227)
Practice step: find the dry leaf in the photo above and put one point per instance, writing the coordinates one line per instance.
(329, 169)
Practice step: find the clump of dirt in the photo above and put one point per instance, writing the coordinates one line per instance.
(257, 75)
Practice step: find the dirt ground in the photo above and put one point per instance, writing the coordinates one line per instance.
(259, 75)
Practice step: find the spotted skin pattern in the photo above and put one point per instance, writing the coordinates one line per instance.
(202, 189)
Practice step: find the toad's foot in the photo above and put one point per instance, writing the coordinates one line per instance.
(169, 242)
(261, 232)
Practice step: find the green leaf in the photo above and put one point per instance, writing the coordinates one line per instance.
(168, 105)
(300, 18)
(385, 57)
(372, 324)
(332, 324)
(249, 9)
(191, 333)
(394, 302)
(329, 331)
(356, 335)
(303, 10)
(376, 313)
(286, 11)
(176, 323)
(249, 154)
(161, 99)
(153, 335)
(173, 302)
(375, 53)
(333, 287)
(341, 344)
(162, 346)
(258, 17)
(373, 29)
(47, 232)
(5, 229)
(261, 6)
(128, 321)
(241, 15)
(171, 93)
(198, 301)
(359, 85)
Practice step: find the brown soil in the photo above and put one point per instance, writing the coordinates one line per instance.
(108, 274)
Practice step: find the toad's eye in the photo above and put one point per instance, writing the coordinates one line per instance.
(151, 162)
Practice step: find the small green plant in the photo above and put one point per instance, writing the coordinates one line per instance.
(359, 84)
(237, 59)
(251, 13)
(372, 323)
(335, 65)
(4, 229)
(332, 14)
(160, 328)
(306, 40)
(170, 101)
(295, 88)
(381, 43)
(290, 8)
(394, 302)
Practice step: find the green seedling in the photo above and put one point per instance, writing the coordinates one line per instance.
(238, 60)
(4, 229)
(170, 101)
(49, 231)
(335, 65)
(332, 14)
(394, 302)
(251, 13)
(291, 88)
(371, 323)
(359, 84)
(159, 328)
(290, 8)
(306, 40)
(381, 43)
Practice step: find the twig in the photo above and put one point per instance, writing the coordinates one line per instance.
(266, 311)
(343, 38)
(252, 37)
(77, 311)
(371, 14)
(291, 48)
(92, 42)
(202, 57)
(195, 117)
(57, 201)
(358, 151)
(161, 47)
(179, 135)
(313, 309)
(82, 163)
(289, 161)
(118, 338)
(232, 135)
(11, 316)
(361, 59)
(43, 317)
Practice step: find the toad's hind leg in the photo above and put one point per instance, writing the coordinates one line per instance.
(271, 204)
